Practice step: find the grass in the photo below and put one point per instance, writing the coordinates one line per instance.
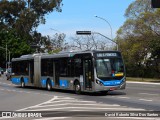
(143, 79)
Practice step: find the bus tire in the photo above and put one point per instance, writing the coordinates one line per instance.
(48, 86)
(22, 83)
(77, 87)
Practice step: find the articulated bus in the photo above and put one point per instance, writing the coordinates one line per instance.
(81, 71)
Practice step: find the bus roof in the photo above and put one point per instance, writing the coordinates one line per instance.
(58, 55)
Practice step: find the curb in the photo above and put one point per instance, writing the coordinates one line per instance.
(143, 83)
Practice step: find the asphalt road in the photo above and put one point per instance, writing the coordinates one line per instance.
(137, 98)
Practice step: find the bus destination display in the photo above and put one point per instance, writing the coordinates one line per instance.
(106, 54)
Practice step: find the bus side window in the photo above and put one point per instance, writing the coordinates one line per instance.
(63, 67)
(78, 67)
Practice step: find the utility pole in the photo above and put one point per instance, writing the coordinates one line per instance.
(6, 49)
(6, 56)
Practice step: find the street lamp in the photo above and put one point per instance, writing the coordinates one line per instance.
(110, 28)
(107, 23)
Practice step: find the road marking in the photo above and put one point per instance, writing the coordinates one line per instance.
(70, 104)
(148, 94)
(124, 97)
(19, 91)
(64, 104)
(144, 83)
(52, 118)
(38, 104)
(6, 84)
(91, 108)
(66, 98)
(138, 118)
(145, 100)
(74, 101)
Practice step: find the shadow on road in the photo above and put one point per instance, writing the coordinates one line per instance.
(109, 93)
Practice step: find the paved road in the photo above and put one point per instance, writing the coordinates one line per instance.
(137, 97)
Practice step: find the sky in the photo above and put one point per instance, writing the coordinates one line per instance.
(79, 15)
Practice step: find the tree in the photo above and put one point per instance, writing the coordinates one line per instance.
(23, 17)
(139, 39)
(90, 42)
(15, 45)
(58, 43)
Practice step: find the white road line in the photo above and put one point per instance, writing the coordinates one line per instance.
(52, 118)
(58, 101)
(93, 105)
(9, 90)
(68, 98)
(145, 100)
(148, 94)
(84, 108)
(124, 97)
(144, 83)
(55, 97)
(23, 92)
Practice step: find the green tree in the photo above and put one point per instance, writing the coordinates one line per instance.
(139, 39)
(15, 45)
(26, 15)
(18, 22)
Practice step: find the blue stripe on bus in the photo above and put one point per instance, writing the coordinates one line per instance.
(26, 80)
(112, 82)
(63, 83)
(16, 81)
(52, 83)
(44, 82)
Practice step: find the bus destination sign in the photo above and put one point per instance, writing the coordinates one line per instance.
(106, 54)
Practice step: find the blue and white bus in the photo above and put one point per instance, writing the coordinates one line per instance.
(81, 71)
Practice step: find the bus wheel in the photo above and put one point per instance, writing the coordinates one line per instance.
(49, 87)
(77, 88)
(22, 84)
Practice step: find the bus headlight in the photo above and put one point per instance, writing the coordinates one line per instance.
(99, 82)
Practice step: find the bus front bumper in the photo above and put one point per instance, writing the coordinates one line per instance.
(110, 88)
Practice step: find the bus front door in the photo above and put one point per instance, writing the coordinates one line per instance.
(88, 73)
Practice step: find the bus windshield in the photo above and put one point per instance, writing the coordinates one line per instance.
(109, 67)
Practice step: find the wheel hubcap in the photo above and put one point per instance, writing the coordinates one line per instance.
(22, 84)
(77, 87)
(49, 87)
